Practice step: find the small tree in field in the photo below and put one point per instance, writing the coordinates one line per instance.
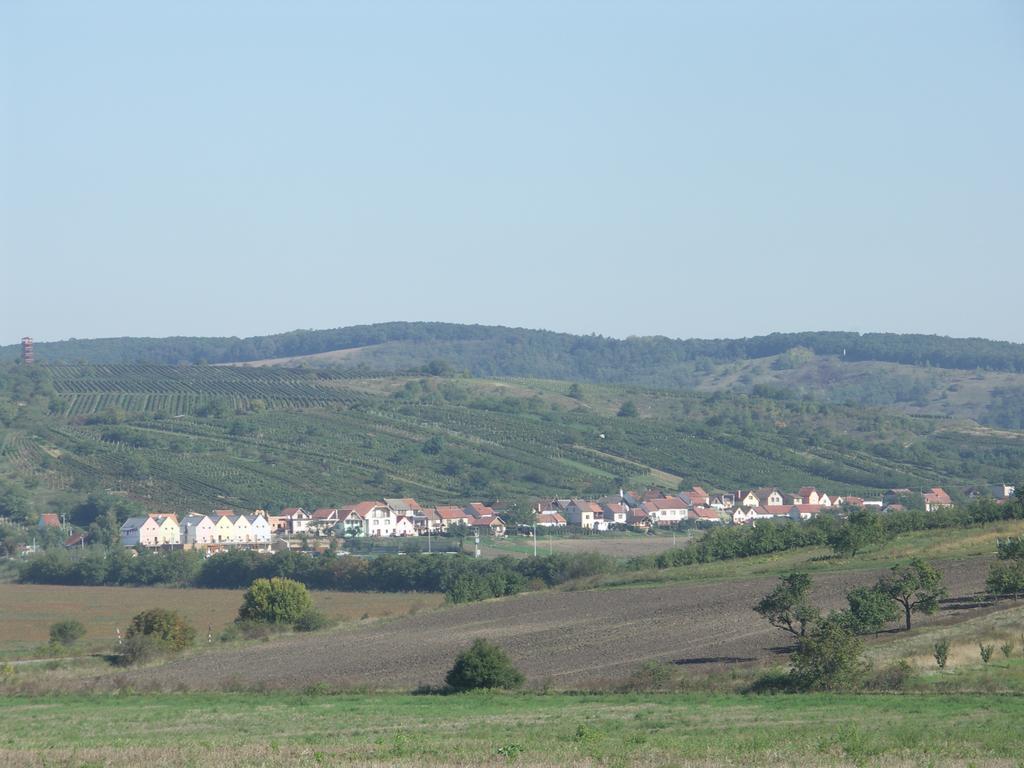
(828, 657)
(67, 632)
(917, 587)
(941, 652)
(787, 607)
(275, 601)
(483, 665)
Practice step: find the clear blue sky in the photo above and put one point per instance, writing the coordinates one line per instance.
(708, 169)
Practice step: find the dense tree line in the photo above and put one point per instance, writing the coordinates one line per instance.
(489, 350)
(460, 578)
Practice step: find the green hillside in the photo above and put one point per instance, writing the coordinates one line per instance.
(201, 436)
(962, 378)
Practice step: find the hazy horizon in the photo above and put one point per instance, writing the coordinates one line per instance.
(38, 340)
(691, 170)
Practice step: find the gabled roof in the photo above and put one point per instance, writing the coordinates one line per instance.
(76, 539)
(487, 522)
(479, 510)
(452, 513)
(223, 512)
(324, 513)
(134, 522)
(363, 508)
(402, 505)
(550, 517)
(937, 496)
(287, 512)
(49, 520)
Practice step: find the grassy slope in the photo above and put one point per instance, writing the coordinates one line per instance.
(493, 729)
(315, 438)
(942, 544)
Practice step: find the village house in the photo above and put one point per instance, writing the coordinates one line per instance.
(614, 513)
(492, 525)
(168, 532)
(550, 519)
(705, 515)
(323, 520)
(1003, 491)
(936, 498)
(452, 516)
(350, 523)
(762, 497)
(403, 526)
(378, 519)
(582, 514)
(49, 520)
(141, 531)
(665, 512)
(296, 519)
(196, 531)
(403, 506)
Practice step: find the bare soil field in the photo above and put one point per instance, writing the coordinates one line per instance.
(564, 639)
(28, 610)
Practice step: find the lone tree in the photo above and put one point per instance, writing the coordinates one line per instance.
(483, 665)
(828, 658)
(917, 587)
(861, 529)
(787, 607)
(871, 609)
(628, 409)
(275, 601)
(1007, 576)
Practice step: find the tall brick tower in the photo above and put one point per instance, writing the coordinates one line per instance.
(27, 356)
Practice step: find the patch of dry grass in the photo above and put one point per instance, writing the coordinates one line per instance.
(28, 610)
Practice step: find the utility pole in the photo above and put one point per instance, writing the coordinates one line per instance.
(535, 539)
(476, 540)
(428, 537)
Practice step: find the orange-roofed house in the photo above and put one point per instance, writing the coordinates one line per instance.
(936, 498)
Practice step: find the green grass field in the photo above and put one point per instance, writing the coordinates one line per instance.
(495, 729)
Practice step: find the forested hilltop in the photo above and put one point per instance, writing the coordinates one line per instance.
(496, 350)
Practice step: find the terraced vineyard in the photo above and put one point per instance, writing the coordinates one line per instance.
(196, 437)
(178, 390)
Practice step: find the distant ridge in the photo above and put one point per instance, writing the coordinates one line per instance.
(498, 350)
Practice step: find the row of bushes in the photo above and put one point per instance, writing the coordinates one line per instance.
(461, 578)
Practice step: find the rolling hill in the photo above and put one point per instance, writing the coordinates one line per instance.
(960, 378)
(198, 437)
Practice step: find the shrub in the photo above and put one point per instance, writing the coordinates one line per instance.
(650, 676)
(1007, 648)
(166, 627)
(311, 621)
(483, 665)
(67, 632)
(139, 649)
(941, 652)
(893, 677)
(828, 658)
(986, 649)
(275, 601)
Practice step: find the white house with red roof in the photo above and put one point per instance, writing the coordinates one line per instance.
(936, 498)
(668, 511)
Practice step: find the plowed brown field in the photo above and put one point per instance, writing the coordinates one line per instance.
(565, 638)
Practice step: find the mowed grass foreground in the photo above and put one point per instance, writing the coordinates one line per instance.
(496, 729)
(28, 610)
